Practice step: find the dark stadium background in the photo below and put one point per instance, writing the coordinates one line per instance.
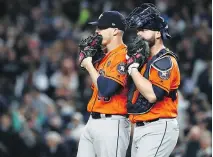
(43, 92)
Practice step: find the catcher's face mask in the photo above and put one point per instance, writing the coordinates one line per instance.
(147, 16)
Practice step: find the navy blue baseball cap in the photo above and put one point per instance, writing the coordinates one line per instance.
(110, 19)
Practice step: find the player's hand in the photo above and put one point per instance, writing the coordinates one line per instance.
(85, 53)
(137, 53)
(133, 62)
(85, 62)
(91, 47)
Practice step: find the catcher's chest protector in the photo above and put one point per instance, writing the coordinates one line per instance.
(142, 105)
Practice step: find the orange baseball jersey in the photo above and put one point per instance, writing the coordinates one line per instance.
(168, 80)
(111, 66)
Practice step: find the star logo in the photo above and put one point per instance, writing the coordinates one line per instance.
(164, 75)
(121, 68)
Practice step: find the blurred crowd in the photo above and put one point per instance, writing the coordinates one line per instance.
(44, 93)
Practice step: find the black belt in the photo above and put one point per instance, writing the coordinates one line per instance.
(142, 123)
(96, 115)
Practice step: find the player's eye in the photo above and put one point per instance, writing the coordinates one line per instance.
(101, 27)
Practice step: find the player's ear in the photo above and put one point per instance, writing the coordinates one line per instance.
(115, 31)
(157, 34)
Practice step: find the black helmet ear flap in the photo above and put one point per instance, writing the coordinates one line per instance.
(165, 33)
(163, 26)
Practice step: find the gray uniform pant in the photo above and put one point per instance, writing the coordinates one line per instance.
(155, 139)
(105, 137)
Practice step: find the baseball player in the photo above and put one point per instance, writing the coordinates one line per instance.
(107, 132)
(153, 105)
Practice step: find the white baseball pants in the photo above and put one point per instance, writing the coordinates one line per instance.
(105, 137)
(155, 139)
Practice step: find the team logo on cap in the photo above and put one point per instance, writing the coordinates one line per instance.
(100, 16)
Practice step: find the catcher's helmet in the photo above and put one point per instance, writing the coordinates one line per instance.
(147, 16)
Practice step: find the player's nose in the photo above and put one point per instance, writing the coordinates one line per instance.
(138, 33)
(97, 31)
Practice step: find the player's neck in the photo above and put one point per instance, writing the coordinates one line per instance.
(114, 44)
(156, 48)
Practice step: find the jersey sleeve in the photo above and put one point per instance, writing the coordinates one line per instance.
(161, 73)
(117, 70)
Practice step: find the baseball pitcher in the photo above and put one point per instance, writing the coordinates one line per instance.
(107, 132)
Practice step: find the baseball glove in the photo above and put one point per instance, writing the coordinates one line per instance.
(91, 47)
(137, 51)
(137, 55)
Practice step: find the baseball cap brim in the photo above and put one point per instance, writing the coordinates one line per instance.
(95, 23)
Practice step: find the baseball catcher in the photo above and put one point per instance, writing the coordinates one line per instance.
(153, 105)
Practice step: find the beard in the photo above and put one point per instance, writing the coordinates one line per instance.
(151, 42)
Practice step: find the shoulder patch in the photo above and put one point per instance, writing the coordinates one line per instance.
(121, 68)
(163, 64)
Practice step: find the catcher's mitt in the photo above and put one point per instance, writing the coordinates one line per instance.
(91, 47)
(137, 51)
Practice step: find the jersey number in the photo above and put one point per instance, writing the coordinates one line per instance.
(105, 99)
